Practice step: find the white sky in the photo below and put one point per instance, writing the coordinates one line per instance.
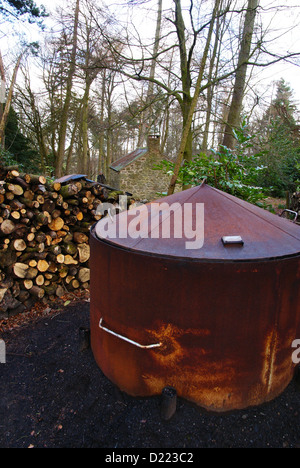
(286, 19)
(269, 75)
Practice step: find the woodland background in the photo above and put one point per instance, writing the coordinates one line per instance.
(98, 77)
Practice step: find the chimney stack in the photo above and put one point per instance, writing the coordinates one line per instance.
(153, 142)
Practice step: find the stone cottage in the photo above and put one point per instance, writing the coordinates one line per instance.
(134, 172)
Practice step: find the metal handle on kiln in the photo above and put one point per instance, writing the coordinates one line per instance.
(295, 213)
(155, 345)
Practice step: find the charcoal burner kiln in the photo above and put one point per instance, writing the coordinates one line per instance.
(216, 322)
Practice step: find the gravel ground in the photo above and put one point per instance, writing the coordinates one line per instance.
(53, 395)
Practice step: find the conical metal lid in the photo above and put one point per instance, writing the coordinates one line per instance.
(202, 223)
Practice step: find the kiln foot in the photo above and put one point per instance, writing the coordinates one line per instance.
(168, 402)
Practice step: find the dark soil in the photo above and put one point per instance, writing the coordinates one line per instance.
(54, 395)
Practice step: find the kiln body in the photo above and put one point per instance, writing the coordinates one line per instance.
(217, 322)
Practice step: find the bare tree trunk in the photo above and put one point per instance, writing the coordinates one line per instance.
(2, 98)
(108, 147)
(8, 102)
(145, 117)
(187, 100)
(165, 129)
(64, 116)
(186, 133)
(36, 119)
(101, 167)
(2, 90)
(218, 128)
(240, 77)
(73, 138)
(214, 62)
(85, 106)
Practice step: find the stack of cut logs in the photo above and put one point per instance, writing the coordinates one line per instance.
(295, 202)
(44, 237)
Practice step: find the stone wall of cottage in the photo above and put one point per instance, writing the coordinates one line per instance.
(114, 179)
(139, 177)
(142, 180)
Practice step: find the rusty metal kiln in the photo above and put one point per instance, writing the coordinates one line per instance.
(217, 322)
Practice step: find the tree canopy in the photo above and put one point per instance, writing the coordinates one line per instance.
(105, 77)
(25, 9)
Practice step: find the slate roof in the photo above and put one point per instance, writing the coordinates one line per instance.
(128, 159)
(70, 178)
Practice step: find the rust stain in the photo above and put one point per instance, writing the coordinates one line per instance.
(271, 343)
(211, 385)
(169, 336)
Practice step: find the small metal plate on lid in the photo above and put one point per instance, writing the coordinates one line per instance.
(232, 240)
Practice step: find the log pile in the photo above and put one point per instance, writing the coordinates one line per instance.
(295, 202)
(44, 238)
